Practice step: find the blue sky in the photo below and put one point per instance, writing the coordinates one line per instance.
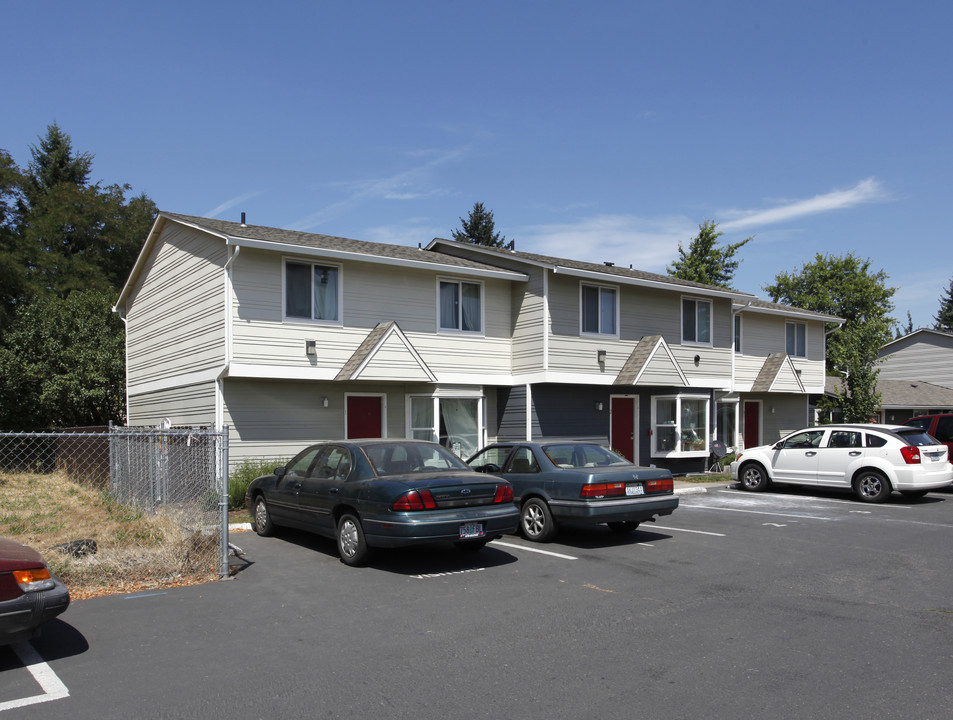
(601, 131)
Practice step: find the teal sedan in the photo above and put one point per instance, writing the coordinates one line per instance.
(369, 494)
(579, 482)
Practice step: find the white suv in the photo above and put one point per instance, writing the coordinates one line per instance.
(872, 460)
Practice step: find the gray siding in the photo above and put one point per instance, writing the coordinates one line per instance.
(927, 357)
(188, 405)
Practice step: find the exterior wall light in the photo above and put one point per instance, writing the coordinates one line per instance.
(310, 349)
(600, 356)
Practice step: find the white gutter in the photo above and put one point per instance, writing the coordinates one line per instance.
(655, 284)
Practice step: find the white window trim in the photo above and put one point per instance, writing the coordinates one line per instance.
(436, 397)
(618, 319)
(795, 323)
(711, 321)
(459, 331)
(284, 291)
(678, 426)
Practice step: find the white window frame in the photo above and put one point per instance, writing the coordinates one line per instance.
(678, 452)
(615, 293)
(711, 321)
(435, 398)
(795, 325)
(311, 319)
(459, 329)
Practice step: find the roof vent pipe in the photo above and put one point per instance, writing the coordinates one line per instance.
(243, 219)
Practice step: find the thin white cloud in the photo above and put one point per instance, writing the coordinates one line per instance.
(231, 203)
(865, 191)
(410, 184)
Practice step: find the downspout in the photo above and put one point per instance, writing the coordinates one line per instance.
(125, 342)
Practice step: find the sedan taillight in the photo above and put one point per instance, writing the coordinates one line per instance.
(598, 490)
(655, 486)
(504, 494)
(911, 454)
(414, 500)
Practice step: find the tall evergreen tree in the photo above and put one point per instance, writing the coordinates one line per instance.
(53, 163)
(706, 261)
(847, 288)
(479, 229)
(944, 316)
(12, 280)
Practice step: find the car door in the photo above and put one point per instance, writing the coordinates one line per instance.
(320, 491)
(837, 457)
(283, 500)
(795, 458)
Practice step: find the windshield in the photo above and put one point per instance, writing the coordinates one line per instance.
(400, 458)
(578, 455)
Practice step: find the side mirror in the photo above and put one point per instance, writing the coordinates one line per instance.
(778, 445)
(279, 472)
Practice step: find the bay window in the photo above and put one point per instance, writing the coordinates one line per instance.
(680, 426)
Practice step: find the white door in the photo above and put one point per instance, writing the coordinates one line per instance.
(842, 451)
(796, 460)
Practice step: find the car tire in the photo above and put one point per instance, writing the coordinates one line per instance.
(261, 519)
(536, 521)
(352, 546)
(753, 477)
(470, 546)
(914, 494)
(871, 486)
(623, 527)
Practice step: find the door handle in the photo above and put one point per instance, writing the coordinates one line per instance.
(854, 453)
(296, 486)
(334, 490)
(810, 454)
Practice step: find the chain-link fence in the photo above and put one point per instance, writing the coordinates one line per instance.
(119, 509)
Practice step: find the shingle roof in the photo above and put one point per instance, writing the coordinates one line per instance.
(903, 393)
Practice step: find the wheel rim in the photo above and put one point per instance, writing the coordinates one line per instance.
(349, 538)
(261, 514)
(871, 486)
(533, 520)
(751, 478)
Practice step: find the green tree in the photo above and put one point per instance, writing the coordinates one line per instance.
(907, 328)
(944, 316)
(54, 164)
(479, 229)
(847, 288)
(12, 279)
(62, 364)
(706, 261)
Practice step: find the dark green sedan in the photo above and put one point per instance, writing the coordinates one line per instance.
(577, 481)
(370, 494)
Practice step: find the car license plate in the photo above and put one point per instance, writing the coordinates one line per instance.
(471, 530)
(637, 489)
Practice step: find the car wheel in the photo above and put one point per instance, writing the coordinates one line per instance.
(871, 486)
(261, 518)
(914, 494)
(351, 543)
(624, 527)
(470, 546)
(753, 477)
(537, 521)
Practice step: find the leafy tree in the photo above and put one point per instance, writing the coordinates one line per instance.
(944, 316)
(12, 281)
(62, 364)
(706, 261)
(845, 287)
(479, 229)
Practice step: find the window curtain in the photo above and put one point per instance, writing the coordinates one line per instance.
(471, 307)
(458, 419)
(421, 418)
(704, 322)
(607, 320)
(325, 293)
(448, 306)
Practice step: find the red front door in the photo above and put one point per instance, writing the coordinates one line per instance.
(622, 427)
(752, 424)
(364, 416)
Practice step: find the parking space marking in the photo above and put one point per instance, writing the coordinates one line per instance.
(535, 550)
(795, 498)
(697, 532)
(52, 687)
(803, 516)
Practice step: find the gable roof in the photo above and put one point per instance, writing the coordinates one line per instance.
(652, 361)
(388, 345)
(925, 334)
(326, 246)
(778, 374)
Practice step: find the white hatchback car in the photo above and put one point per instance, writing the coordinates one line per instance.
(872, 460)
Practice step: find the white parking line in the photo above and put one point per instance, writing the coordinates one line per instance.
(535, 550)
(52, 687)
(755, 512)
(697, 532)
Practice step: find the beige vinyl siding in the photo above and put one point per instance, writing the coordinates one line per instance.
(175, 314)
(927, 357)
(763, 334)
(371, 294)
(188, 405)
(530, 324)
(780, 413)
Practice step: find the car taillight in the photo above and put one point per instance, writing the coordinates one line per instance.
(414, 500)
(598, 490)
(911, 454)
(33, 580)
(665, 485)
(504, 494)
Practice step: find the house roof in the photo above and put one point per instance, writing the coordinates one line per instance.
(902, 393)
(610, 271)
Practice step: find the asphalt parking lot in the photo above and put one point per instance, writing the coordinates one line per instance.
(783, 605)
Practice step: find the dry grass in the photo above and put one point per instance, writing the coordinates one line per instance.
(135, 550)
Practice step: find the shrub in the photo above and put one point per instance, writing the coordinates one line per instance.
(240, 477)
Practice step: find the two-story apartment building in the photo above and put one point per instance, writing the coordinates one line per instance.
(289, 338)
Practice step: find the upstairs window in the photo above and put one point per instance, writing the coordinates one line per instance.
(796, 335)
(738, 334)
(598, 310)
(461, 306)
(312, 292)
(696, 321)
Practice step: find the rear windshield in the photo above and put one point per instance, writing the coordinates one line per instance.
(916, 436)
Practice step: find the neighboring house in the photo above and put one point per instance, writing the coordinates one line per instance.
(922, 355)
(901, 400)
(291, 337)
